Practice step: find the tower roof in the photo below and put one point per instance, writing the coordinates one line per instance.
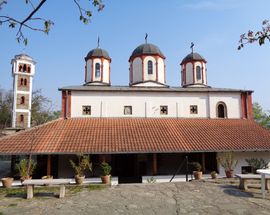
(98, 52)
(194, 56)
(147, 49)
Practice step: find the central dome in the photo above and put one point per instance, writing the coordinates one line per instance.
(193, 57)
(98, 53)
(147, 49)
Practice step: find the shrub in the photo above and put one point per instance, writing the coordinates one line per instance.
(106, 168)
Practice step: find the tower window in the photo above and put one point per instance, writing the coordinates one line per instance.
(193, 109)
(21, 118)
(22, 100)
(86, 110)
(24, 68)
(97, 70)
(150, 67)
(20, 68)
(21, 81)
(221, 110)
(25, 82)
(163, 110)
(29, 69)
(198, 73)
(127, 110)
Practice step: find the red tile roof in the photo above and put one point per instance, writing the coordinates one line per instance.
(138, 135)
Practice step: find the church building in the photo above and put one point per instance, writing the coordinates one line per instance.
(145, 128)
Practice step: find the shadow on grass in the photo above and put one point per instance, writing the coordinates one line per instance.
(235, 191)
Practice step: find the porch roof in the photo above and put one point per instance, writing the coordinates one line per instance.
(138, 135)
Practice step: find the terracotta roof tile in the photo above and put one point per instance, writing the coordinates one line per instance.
(138, 135)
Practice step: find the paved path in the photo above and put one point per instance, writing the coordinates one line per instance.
(165, 199)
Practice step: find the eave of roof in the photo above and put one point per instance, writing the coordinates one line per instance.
(138, 135)
(149, 89)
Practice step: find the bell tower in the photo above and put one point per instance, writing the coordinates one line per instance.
(23, 70)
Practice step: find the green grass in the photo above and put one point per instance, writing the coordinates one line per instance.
(12, 205)
(1, 213)
(96, 186)
(13, 192)
(75, 189)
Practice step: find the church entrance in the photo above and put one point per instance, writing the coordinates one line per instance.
(125, 166)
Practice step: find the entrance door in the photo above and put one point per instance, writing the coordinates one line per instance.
(125, 166)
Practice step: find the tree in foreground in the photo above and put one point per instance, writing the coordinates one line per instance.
(260, 116)
(258, 36)
(36, 23)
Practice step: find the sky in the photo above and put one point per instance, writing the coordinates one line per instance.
(213, 26)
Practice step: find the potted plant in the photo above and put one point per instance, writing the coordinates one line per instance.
(214, 174)
(26, 168)
(227, 161)
(80, 166)
(7, 182)
(105, 172)
(256, 163)
(196, 168)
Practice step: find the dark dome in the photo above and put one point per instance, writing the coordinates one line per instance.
(193, 57)
(147, 49)
(98, 53)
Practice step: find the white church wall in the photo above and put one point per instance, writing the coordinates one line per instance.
(161, 72)
(241, 157)
(89, 70)
(232, 101)
(106, 70)
(151, 77)
(137, 70)
(147, 104)
(189, 73)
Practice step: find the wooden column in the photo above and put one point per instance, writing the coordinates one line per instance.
(203, 162)
(154, 164)
(49, 165)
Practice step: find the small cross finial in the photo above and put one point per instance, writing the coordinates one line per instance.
(191, 46)
(98, 42)
(146, 35)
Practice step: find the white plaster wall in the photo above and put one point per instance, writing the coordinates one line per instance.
(147, 104)
(89, 70)
(148, 77)
(241, 156)
(232, 101)
(97, 60)
(161, 72)
(106, 71)
(16, 66)
(204, 73)
(189, 73)
(137, 70)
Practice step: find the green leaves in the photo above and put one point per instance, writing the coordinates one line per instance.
(47, 26)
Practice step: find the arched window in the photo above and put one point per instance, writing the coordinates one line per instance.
(150, 67)
(20, 68)
(198, 73)
(22, 100)
(25, 82)
(24, 68)
(97, 70)
(29, 69)
(21, 81)
(21, 118)
(221, 110)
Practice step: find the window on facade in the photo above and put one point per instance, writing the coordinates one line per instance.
(193, 109)
(21, 118)
(20, 68)
(127, 110)
(163, 110)
(21, 81)
(22, 100)
(150, 67)
(25, 82)
(29, 69)
(198, 73)
(86, 110)
(97, 70)
(221, 110)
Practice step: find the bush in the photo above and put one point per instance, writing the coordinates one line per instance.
(227, 161)
(106, 168)
(22, 167)
(256, 163)
(83, 163)
(195, 166)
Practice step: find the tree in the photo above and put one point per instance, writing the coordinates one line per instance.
(34, 23)
(41, 109)
(260, 116)
(259, 36)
